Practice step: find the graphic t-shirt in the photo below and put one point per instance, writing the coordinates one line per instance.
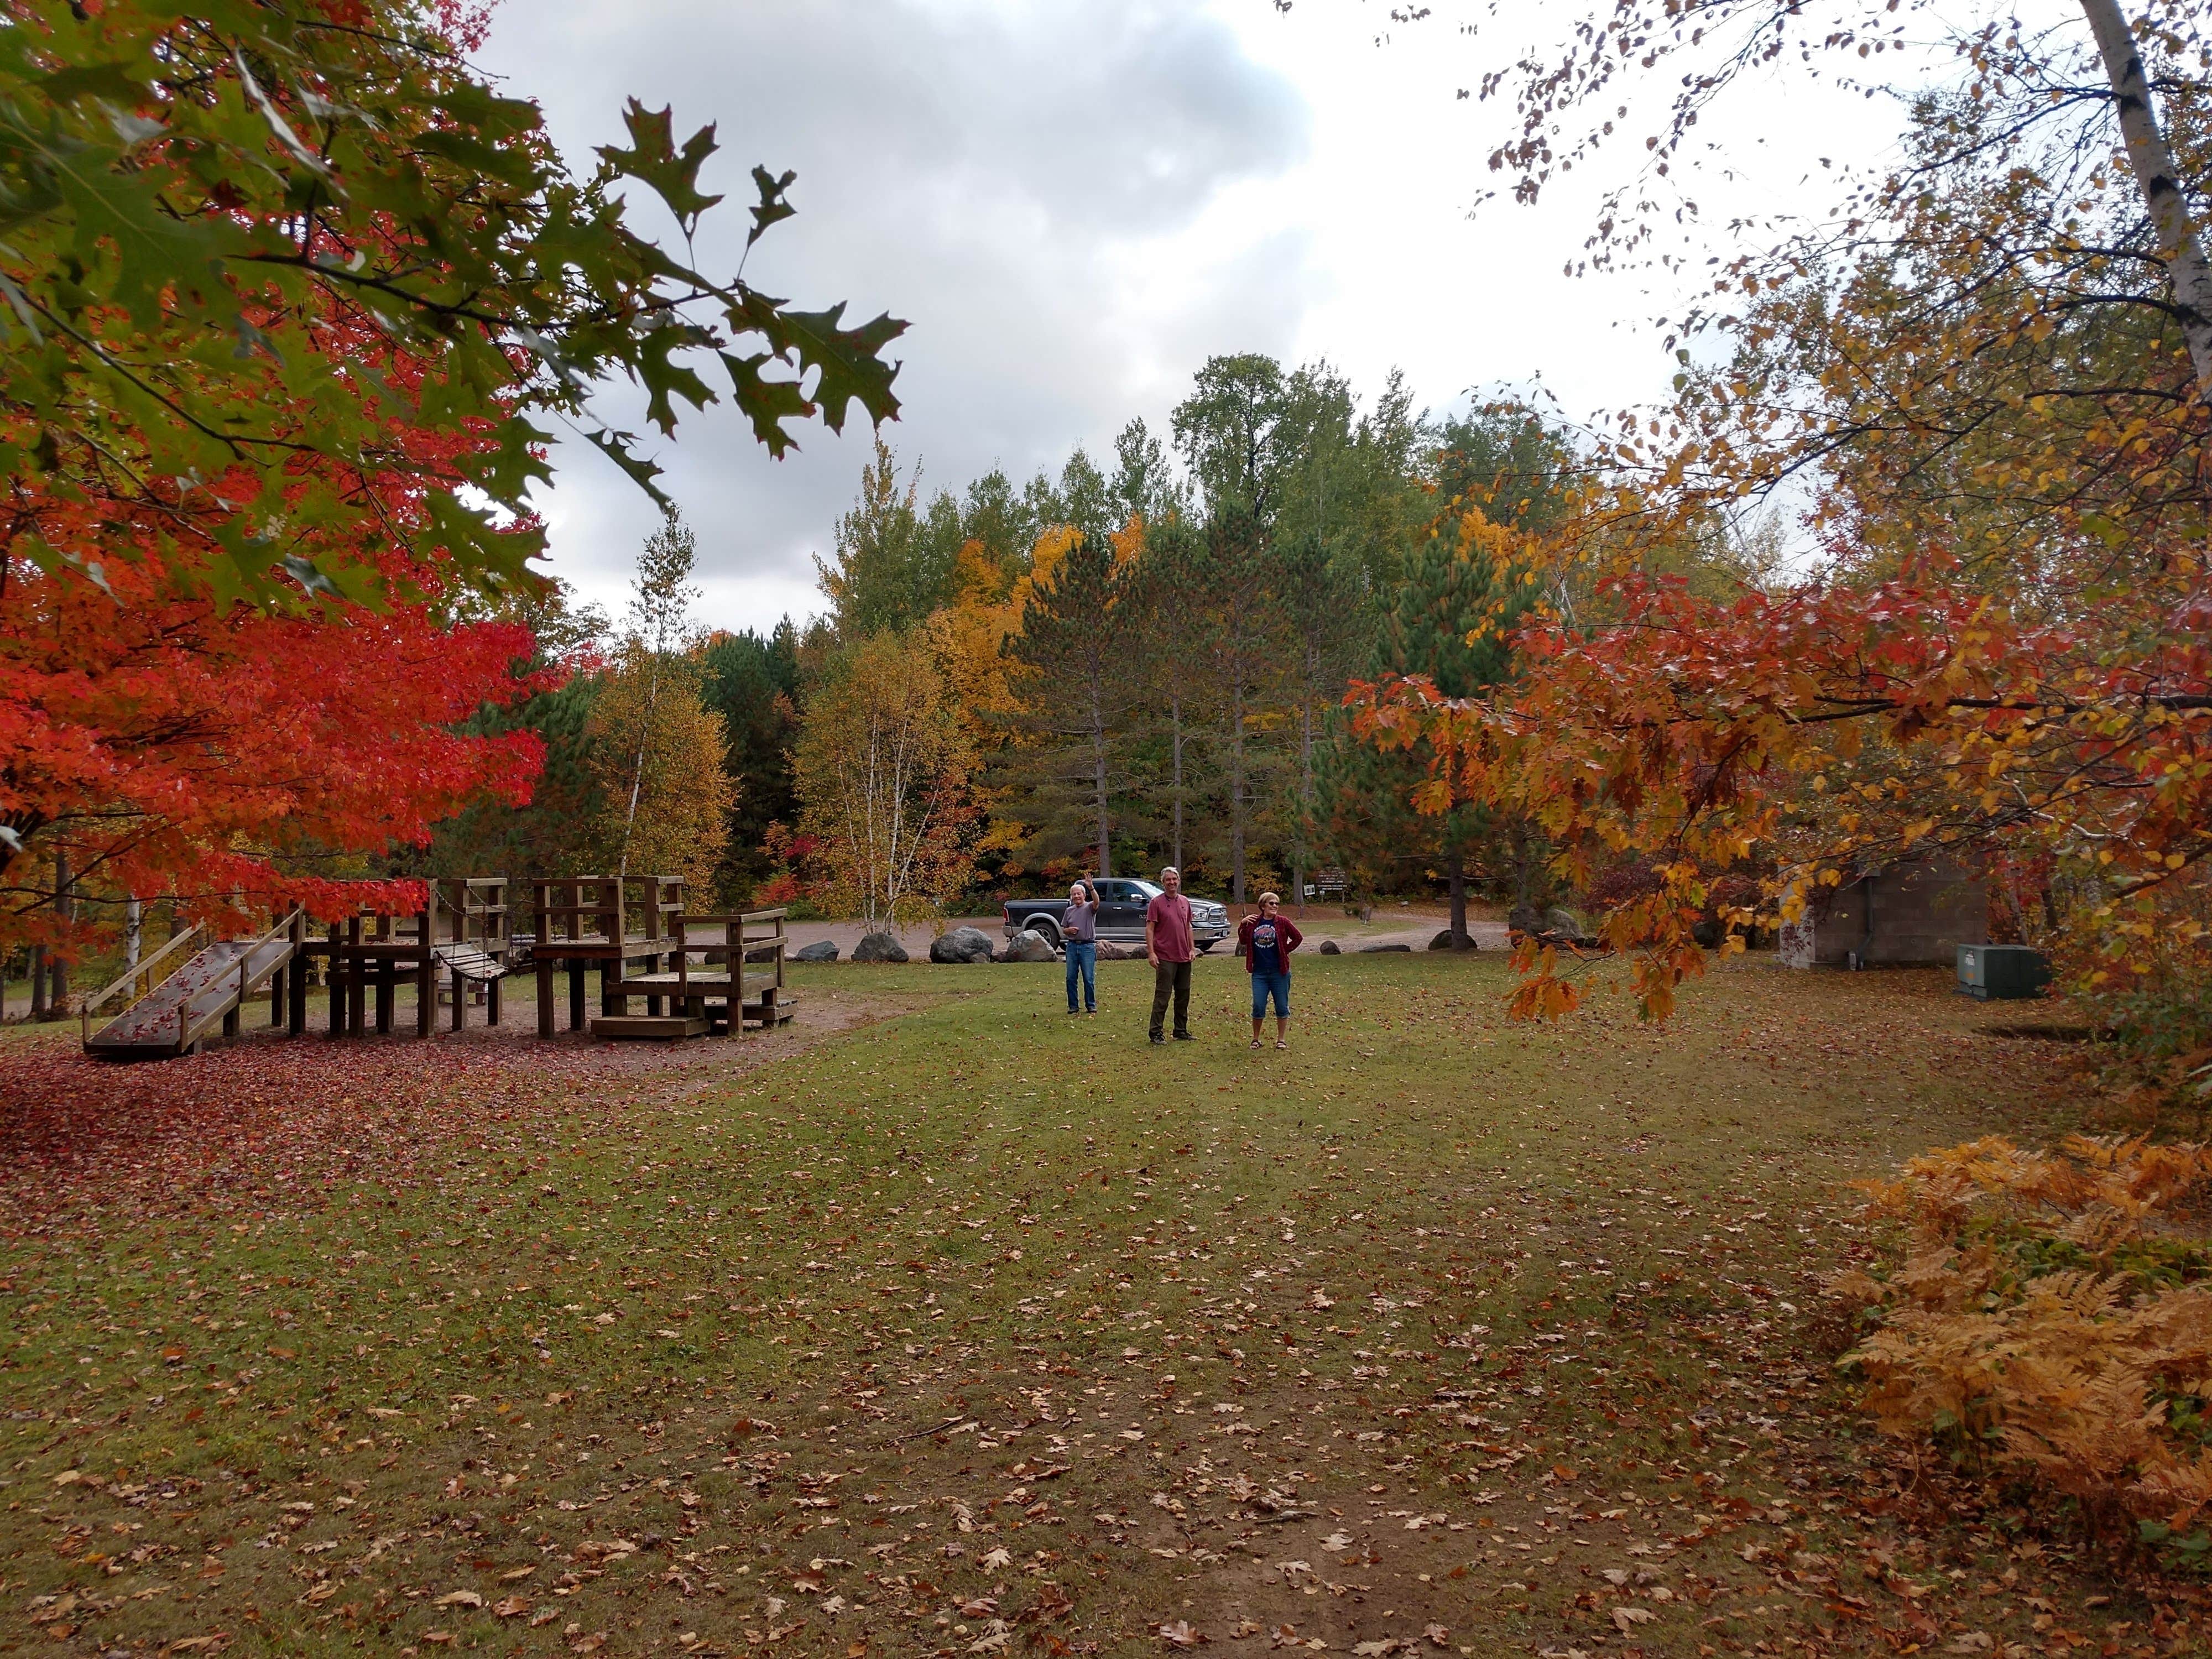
(1169, 915)
(1267, 949)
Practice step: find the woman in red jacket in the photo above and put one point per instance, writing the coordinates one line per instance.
(1266, 940)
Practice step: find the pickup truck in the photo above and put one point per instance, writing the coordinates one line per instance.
(1121, 903)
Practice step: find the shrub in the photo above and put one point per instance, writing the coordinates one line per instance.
(2050, 1321)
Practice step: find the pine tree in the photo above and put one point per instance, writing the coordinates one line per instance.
(1451, 618)
(1074, 686)
(753, 684)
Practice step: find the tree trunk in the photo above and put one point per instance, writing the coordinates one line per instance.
(2156, 176)
(1236, 789)
(65, 911)
(1305, 786)
(1098, 776)
(38, 982)
(134, 930)
(1175, 843)
(1455, 874)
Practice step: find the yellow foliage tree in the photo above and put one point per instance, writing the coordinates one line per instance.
(882, 771)
(652, 735)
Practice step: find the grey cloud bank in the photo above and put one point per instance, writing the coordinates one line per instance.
(1039, 191)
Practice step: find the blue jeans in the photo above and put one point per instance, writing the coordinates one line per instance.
(1083, 958)
(1278, 985)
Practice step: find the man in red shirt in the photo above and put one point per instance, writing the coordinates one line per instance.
(1168, 948)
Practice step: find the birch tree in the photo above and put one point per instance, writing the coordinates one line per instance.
(882, 775)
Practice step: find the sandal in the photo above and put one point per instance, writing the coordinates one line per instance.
(1256, 1045)
(1285, 1046)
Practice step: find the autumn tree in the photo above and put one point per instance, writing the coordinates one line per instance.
(657, 757)
(551, 831)
(293, 296)
(1451, 620)
(882, 772)
(1990, 378)
(242, 236)
(657, 749)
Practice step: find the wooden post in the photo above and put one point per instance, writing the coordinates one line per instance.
(426, 969)
(540, 920)
(652, 932)
(296, 970)
(495, 927)
(336, 979)
(356, 980)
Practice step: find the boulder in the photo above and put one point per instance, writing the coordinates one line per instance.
(1444, 942)
(1375, 950)
(1526, 918)
(1110, 951)
(1029, 945)
(766, 954)
(1566, 923)
(822, 950)
(961, 945)
(1329, 947)
(879, 947)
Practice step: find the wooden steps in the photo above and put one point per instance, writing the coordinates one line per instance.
(663, 1026)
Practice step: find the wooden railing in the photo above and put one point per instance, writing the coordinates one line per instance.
(131, 977)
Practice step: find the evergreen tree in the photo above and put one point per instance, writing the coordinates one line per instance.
(1074, 685)
(1170, 572)
(753, 684)
(1450, 617)
(887, 574)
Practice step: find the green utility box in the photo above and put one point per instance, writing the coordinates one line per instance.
(1997, 973)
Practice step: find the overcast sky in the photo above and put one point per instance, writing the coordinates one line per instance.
(1075, 204)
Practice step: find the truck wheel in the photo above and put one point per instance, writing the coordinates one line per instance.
(1046, 929)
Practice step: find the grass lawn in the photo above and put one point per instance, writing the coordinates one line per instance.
(969, 1328)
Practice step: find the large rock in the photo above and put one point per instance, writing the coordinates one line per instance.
(767, 953)
(1525, 919)
(961, 945)
(879, 947)
(1329, 947)
(822, 950)
(1110, 951)
(1566, 923)
(1029, 945)
(1444, 942)
(1375, 950)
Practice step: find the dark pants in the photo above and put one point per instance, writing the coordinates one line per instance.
(1172, 976)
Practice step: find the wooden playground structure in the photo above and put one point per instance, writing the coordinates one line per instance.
(610, 921)
(459, 946)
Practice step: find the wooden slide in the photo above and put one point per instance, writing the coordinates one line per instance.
(200, 995)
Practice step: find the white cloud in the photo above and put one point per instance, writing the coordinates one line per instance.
(1075, 204)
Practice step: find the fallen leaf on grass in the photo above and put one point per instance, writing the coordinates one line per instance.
(1437, 1635)
(515, 1573)
(459, 1599)
(1627, 1619)
(510, 1606)
(997, 1559)
(1180, 1634)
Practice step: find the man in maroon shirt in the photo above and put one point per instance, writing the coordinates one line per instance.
(1167, 947)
